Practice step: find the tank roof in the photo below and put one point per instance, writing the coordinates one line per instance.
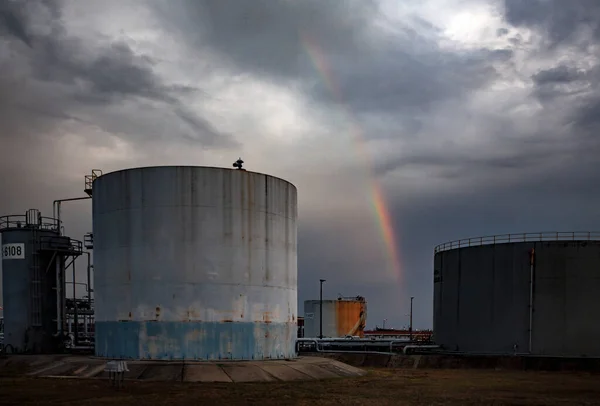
(22, 222)
(195, 167)
(544, 236)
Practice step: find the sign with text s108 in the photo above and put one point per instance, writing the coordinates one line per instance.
(13, 251)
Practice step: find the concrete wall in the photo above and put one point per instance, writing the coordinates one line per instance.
(194, 263)
(340, 318)
(481, 298)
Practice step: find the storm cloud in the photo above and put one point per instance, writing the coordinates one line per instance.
(476, 117)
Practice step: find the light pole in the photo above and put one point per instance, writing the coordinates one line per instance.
(321, 309)
(410, 328)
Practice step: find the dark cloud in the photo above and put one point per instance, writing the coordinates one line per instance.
(267, 36)
(337, 52)
(566, 28)
(560, 22)
(558, 74)
(92, 78)
(12, 24)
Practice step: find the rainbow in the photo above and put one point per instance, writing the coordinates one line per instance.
(381, 211)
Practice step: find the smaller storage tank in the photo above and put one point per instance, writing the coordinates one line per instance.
(341, 317)
(33, 256)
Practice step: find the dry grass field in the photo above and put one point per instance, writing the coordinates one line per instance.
(378, 387)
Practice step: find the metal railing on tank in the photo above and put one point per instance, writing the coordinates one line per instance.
(520, 237)
(63, 245)
(23, 221)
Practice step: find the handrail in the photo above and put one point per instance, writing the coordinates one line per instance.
(63, 244)
(520, 237)
(20, 221)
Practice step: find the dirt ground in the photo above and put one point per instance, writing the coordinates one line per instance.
(378, 387)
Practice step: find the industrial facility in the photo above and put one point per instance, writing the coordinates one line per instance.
(346, 316)
(200, 263)
(189, 263)
(532, 294)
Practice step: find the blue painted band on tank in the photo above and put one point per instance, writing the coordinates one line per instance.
(158, 340)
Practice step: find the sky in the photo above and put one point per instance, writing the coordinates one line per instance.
(403, 124)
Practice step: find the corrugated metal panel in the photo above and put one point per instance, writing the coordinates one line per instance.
(194, 263)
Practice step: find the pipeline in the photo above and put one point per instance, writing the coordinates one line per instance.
(355, 343)
(319, 350)
(422, 347)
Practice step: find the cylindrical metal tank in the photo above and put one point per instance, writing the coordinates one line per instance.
(194, 263)
(29, 283)
(342, 317)
(523, 293)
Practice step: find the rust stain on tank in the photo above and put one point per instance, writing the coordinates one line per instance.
(129, 315)
(267, 317)
(227, 321)
(157, 312)
(351, 317)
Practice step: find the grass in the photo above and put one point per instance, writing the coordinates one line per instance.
(378, 387)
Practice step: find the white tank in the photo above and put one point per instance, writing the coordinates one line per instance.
(194, 263)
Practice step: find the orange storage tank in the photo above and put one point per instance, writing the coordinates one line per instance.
(351, 316)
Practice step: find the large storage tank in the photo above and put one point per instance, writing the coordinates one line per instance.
(342, 317)
(30, 264)
(194, 263)
(527, 293)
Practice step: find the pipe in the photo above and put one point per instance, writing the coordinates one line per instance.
(425, 347)
(75, 320)
(410, 329)
(357, 352)
(318, 348)
(321, 309)
(59, 329)
(56, 209)
(531, 275)
(89, 279)
(353, 342)
(89, 292)
(77, 283)
(392, 342)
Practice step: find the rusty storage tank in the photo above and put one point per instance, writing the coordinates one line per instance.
(341, 317)
(194, 263)
(521, 293)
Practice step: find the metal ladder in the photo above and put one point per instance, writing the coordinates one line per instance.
(35, 294)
